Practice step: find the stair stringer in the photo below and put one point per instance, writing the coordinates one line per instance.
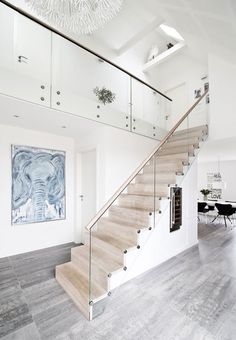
(155, 245)
(161, 245)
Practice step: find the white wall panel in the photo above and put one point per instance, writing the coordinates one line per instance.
(25, 58)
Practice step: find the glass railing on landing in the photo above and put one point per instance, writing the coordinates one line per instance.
(119, 232)
(61, 74)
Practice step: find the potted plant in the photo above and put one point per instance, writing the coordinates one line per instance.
(205, 193)
(104, 95)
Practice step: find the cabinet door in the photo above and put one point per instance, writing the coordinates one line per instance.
(25, 58)
(75, 75)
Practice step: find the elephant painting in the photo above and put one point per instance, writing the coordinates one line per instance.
(38, 185)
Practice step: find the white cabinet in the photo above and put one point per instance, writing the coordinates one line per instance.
(25, 58)
(75, 74)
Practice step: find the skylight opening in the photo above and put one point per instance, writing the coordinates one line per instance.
(171, 32)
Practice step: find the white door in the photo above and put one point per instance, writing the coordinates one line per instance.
(25, 57)
(178, 106)
(88, 192)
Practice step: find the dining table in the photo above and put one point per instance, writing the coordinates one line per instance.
(213, 202)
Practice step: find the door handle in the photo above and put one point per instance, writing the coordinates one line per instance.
(22, 59)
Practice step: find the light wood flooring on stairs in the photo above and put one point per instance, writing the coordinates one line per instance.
(117, 233)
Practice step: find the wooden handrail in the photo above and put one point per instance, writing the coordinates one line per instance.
(52, 29)
(141, 166)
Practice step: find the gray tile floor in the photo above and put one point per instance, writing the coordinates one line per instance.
(190, 297)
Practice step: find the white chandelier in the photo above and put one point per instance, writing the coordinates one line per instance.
(78, 16)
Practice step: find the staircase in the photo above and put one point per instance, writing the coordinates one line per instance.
(120, 225)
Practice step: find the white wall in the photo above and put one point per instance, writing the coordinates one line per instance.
(23, 238)
(227, 170)
(181, 69)
(218, 155)
(222, 78)
(119, 153)
(178, 77)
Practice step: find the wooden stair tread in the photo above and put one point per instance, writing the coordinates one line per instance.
(124, 214)
(145, 210)
(127, 216)
(160, 178)
(181, 137)
(129, 224)
(145, 202)
(85, 278)
(167, 161)
(201, 128)
(74, 279)
(148, 189)
(174, 156)
(120, 244)
(119, 230)
(183, 157)
(163, 167)
(128, 210)
(176, 150)
(180, 142)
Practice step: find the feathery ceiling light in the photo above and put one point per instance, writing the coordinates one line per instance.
(78, 16)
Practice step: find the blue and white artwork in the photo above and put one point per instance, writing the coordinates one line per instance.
(38, 185)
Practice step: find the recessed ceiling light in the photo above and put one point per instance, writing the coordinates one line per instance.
(171, 32)
(16, 116)
(63, 127)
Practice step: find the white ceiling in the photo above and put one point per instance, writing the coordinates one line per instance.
(39, 118)
(211, 21)
(205, 24)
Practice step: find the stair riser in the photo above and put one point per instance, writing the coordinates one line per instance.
(97, 274)
(176, 138)
(79, 299)
(176, 150)
(160, 179)
(139, 202)
(196, 129)
(178, 157)
(113, 268)
(120, 231)
(165, 167)
(140, 218)
(146, 189)
(117, 253)
(83, 294)
(103, 259)
(183, 142)
(169, 160)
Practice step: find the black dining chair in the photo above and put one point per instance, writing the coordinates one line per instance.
(211, 207)
(201, 208)
(225, 210)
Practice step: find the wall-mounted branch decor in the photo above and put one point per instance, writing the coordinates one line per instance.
(104, 95)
